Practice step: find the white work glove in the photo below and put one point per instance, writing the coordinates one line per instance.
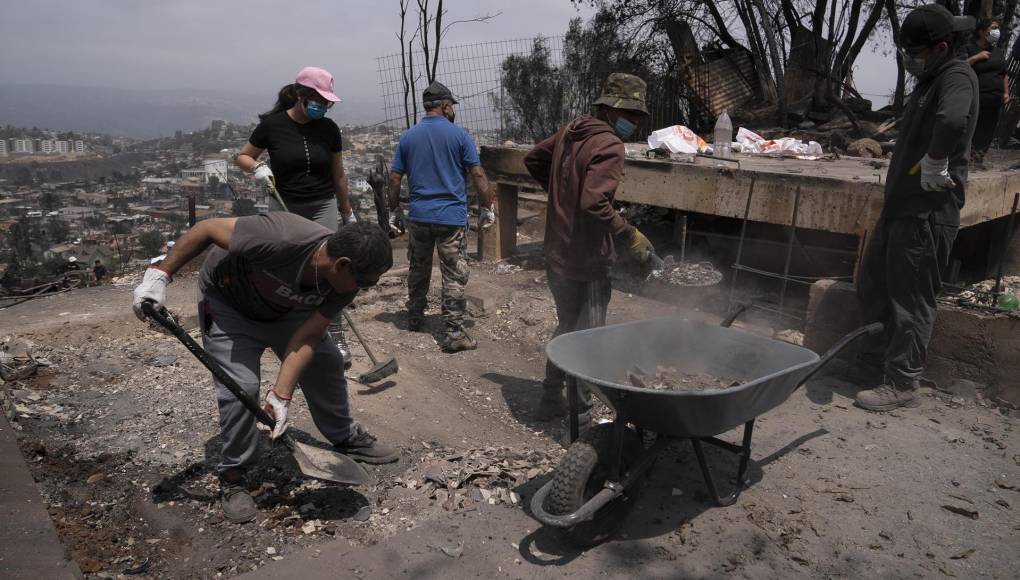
(486, 217)
(152, 289)
(935, 174)
(277, 407)
(349, 218)
(264, 174)
(394, 226)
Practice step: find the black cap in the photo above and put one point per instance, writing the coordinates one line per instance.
(931, 24)
(437, 91)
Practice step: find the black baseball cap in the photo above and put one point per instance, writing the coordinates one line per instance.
(437, 91)
(930, 24)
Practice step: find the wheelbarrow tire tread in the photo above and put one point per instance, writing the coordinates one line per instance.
(571, 484)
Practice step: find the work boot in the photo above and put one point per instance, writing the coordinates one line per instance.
(552, 405)
(237, 504)
(888, 396)
(362, 446)
(336, 333)
(457, 341)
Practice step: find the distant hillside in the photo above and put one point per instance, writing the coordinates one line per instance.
(143, 114)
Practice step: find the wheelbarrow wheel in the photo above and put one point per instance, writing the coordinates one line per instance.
(582, 473)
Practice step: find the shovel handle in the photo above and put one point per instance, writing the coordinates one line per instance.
(159, 315)
(361, 339)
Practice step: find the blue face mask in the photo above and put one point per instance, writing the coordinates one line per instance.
(624, 128)
(315, 110)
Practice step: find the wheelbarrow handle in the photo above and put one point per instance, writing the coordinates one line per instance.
(160, 316)
(871, 330)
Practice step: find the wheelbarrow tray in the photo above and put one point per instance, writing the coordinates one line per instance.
(769, 370)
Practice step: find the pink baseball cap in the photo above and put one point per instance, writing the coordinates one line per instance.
(319, 79)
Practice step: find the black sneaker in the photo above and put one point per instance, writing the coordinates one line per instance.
(235, 501)
(362, 446)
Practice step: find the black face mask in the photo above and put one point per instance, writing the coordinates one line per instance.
(451, 115)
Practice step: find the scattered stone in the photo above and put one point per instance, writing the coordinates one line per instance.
(867, 148)
(453, 552)
(95, 478)
(271, 551)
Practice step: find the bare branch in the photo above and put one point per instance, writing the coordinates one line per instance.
(483, 18)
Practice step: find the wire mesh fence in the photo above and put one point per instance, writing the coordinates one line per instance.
(520, 90)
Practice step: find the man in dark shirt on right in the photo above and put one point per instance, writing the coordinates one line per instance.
(900, 275)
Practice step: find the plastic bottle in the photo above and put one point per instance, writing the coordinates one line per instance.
(722, 138)
(1008, 301)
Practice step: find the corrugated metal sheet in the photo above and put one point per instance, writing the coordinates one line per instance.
(725, 83)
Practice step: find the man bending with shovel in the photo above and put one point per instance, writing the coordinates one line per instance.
(276, 281)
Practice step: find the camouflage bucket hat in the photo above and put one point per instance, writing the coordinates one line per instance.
(624, 91)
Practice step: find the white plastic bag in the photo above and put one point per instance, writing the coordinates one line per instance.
(677, 139)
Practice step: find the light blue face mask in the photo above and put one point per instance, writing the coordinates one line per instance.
(624, 128)
(315, 110)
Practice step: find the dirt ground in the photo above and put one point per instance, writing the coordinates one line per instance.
(121, 434)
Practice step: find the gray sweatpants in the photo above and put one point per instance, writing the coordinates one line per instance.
(237, 343)
(321, 211)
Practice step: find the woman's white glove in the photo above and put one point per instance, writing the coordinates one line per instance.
(264, 174)
(935, 174)
(349, 218)
(152, 289)
(277, 407)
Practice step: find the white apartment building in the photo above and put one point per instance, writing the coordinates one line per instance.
(3, 148)
(79, 146)
(63, 146)
(47, 146)
(24, 146)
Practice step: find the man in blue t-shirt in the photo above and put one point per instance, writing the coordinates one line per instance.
(435, 155)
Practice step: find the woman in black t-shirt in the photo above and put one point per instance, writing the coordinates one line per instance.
(304, 146)
(989, 64)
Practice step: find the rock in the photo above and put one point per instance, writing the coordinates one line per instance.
(89, 565)
(961, 388)
(271, 551)
(867, 148)
(95, 478)
(363, 514)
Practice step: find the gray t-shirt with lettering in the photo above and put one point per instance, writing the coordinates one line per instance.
(260, 274)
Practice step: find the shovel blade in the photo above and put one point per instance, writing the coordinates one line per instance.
(379, 372)
(327, 465)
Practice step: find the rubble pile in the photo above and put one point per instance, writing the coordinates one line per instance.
(983, 293)
(671, 379)
(686, 273)
(458, 479)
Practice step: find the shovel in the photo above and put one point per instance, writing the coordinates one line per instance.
(379, 371)
(313, 461)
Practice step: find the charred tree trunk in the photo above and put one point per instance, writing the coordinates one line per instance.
(901, 76)
(771, 39)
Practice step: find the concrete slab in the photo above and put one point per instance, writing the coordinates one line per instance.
(31, 548)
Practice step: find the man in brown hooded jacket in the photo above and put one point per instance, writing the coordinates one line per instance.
(580, 166)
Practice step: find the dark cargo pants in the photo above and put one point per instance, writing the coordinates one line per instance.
(899, 278)
(451, 244)
(580, 304)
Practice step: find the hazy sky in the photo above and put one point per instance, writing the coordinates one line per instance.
(254, 46)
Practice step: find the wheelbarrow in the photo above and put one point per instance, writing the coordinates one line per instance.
(593, 488)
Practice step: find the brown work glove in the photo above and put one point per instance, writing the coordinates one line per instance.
(638, 246)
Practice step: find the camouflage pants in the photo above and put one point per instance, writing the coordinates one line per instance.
(451, 243)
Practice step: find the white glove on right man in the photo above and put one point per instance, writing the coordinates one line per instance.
(152, 289)
(935, 174)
